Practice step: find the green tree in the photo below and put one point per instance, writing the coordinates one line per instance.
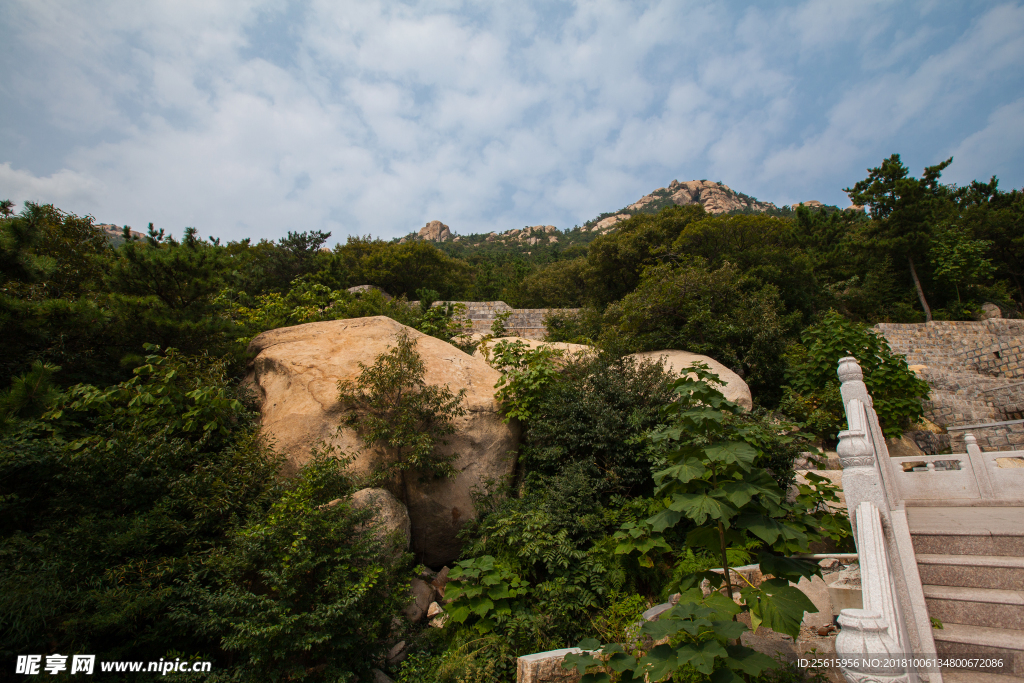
(392, 408)
(958, 259)
(738, 321)
(167, 293)
(616, 261)
(761, 247)
(812, 388)
(902, 211)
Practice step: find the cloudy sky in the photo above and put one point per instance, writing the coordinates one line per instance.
(248, 118)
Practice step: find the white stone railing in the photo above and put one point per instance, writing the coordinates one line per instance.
(873, 634)
(974, 475)
(894, 617)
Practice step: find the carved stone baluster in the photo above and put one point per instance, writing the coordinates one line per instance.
(872, 632)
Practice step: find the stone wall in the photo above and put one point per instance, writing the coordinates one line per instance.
(523, 322)
(975, 370)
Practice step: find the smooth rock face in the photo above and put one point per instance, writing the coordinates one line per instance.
(296, 371)
(735, 388)
(390, 512)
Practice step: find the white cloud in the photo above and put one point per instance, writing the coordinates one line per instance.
(994, 150)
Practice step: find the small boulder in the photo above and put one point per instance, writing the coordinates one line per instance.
(397, 654)
(363, 289)
(734, 389)
(422, 597)
(390, 513)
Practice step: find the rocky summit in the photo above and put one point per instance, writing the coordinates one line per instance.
(435, 231)
(716, 198)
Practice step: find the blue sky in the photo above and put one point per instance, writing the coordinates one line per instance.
(250, 119)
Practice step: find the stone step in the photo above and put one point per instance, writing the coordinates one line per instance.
(978, 571)
(962, 640)
(967, 530)
(990, 607)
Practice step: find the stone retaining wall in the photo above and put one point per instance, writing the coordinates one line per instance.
(523, 322)
(975, 370)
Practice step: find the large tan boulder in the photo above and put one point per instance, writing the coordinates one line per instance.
(296, 371)
(673, 361)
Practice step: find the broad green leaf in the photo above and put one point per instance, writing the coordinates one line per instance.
(589, 644)
(700, 506)
(781, 607)
(480, 606)
(599, 677)
(620, 661)
(499, 592)
(749, 661)
(739, 493)
(788, 568)
(686, 471)
(721, 604)
(459, 613)
(658, 663)
(730, 452)
(580, 661)
(701, 656)
(728, 629)
(765, 528)
(661, 628)
(665, 520)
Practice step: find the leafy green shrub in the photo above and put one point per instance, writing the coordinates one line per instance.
(596, 414)
(576, 327)
(108, 502)
(478, 587)
(526, 375)
(391, 407)
(721, 313)
(146, 520)
(812, 392)
(711, 488)
(304, 592)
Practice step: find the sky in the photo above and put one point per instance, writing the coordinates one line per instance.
(252, 118)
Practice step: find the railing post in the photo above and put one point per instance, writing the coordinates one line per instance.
(853, 387)
(873, 632)
(980, 466)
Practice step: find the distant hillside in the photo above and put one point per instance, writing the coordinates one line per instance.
(537, 240)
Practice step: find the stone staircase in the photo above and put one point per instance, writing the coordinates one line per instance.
(971, 563)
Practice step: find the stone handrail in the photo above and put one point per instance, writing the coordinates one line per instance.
(883, 542)
(873, 632)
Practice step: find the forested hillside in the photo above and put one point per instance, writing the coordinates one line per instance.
(141, 511)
